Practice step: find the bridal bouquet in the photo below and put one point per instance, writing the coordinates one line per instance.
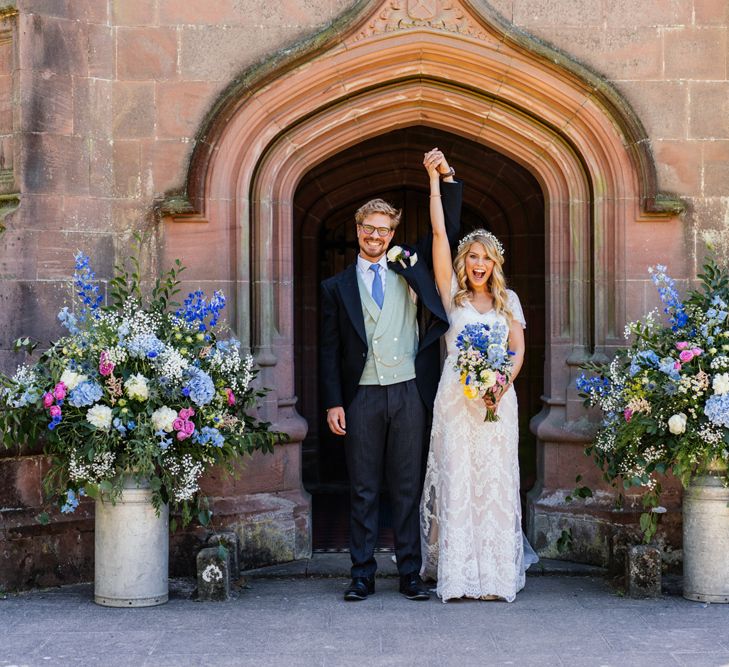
(484, 361)
(665, 398)
(143, 386)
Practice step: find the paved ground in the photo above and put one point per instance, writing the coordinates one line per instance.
(290, 619)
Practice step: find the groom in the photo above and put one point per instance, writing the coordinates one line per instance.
(379, 375)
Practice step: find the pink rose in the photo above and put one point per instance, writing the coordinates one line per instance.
(697, 351)
(186, 413)
(683, 345)
(48, 400)
(181, 435)
(627, 413)
(178, 424)
(686, 356)
(231, 396)
(106, 367)
(55, 411)
(59, 391)
(501, 379)
(189, 428)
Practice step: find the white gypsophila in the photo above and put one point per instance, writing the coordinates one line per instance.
(99, 468)
(651, 454)
(137, 387)
(677, 423)
(648, 322)
(117, 355)
(171, 364)
(720, 383)
(230, 364)
(711, 434)
(25, 376)
(162, 419)
(719, 363)
(186, 473)
(99, 416)
(72, 379)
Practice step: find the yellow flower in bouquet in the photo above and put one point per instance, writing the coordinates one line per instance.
(470, 391)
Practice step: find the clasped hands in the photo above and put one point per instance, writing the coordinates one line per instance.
(436, 163)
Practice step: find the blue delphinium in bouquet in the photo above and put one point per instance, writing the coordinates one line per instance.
(484, 362)
(665, 398)
(142, 385)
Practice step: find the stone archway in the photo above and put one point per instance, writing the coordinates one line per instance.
(455, 68)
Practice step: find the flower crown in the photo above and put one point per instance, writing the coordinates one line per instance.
(471, 236)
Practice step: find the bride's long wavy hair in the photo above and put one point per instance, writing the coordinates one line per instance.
(496, 283)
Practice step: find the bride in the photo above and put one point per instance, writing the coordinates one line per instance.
(470, 511)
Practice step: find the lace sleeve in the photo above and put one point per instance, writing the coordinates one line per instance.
(515, 307)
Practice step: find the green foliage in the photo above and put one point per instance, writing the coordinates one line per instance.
(564, 541)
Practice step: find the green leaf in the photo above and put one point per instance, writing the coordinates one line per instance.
(155, 483)
(44, 519)
(106, 486)
(222, 552)
(204, 516)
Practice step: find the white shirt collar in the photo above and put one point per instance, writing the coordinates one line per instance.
(364, 264)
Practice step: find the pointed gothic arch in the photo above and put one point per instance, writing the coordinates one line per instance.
(457, 67)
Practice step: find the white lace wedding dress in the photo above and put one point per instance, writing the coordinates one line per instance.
(473, 545)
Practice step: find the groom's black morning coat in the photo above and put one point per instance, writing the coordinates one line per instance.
(343, 342)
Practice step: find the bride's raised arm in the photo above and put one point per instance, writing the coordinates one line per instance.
(442, 261)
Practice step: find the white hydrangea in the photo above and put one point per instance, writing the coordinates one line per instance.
(72, 379)
(720, 384)
(99, 416)
(162, 419)
(137, 387)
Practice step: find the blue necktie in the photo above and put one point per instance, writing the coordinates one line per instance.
(378, 294)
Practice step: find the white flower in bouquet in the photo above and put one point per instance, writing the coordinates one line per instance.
(162, 419)
(137, 387)
(721, 383)
(72, 379)
(488, 378)
(677, 424)
(99, 416)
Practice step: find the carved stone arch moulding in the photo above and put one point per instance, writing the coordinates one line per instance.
(451, 65)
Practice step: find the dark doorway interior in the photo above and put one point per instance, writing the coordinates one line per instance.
(499, 194)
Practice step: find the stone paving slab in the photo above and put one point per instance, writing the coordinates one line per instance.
(303, 621)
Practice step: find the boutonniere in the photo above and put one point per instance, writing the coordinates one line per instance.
(402, 255)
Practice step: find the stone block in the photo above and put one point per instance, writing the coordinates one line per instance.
(650, 13)
(643, 571)
(46, 103)
(213, 575)
(134, 12)
(101, 169)
(54, 164)
(101, 54)
(181, 107)
(229, 540)
(711, 12)
(127, 169)
(537, 13)
(662, 106)
(696, 53)
(88, 11)
(146, 53)
(20, 483)
(53, 44)
(133, 109)
(716, 168)
(164, 165)
(92, 108)
(86, 214)
(678, 164)
(709, 110)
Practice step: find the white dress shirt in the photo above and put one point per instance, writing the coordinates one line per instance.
(363, 266)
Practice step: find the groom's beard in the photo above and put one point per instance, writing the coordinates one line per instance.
(372, 251)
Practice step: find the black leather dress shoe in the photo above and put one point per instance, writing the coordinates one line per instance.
(413, 588)
(359, 588)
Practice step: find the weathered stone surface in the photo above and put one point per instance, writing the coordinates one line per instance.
(229, 540)
(182, 106)
(146, 53)
(710, 110)
(53, 163)
(133, 109)
(46, 103)
(134, 12)
(213, 575)
(696, 53)
(643, 571)
(55, 45)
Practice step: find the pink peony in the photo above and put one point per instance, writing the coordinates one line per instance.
(48, 400)
(627, 413)
(686, 356)
(55, 411)
(683, 345)
(178, 424)
(186, 413)
(697, 351)
(59, 391)
(231, 396)
(189, 428)
(181, 435)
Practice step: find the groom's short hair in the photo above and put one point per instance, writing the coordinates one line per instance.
(378, 206)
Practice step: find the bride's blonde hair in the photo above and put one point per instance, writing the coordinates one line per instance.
(496, 283)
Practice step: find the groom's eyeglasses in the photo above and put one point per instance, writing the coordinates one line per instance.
(371, 229)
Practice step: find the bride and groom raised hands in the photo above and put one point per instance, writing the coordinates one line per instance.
(379, 376)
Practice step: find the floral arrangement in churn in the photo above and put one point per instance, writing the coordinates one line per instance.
(142, 386)
(665, 398)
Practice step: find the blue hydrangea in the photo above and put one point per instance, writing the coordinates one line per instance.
(717, 409)
(667, 366)
(86, 393)
(72, 499)
(208, 435)
(199, 387)
(643, 359)
(144, 346)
